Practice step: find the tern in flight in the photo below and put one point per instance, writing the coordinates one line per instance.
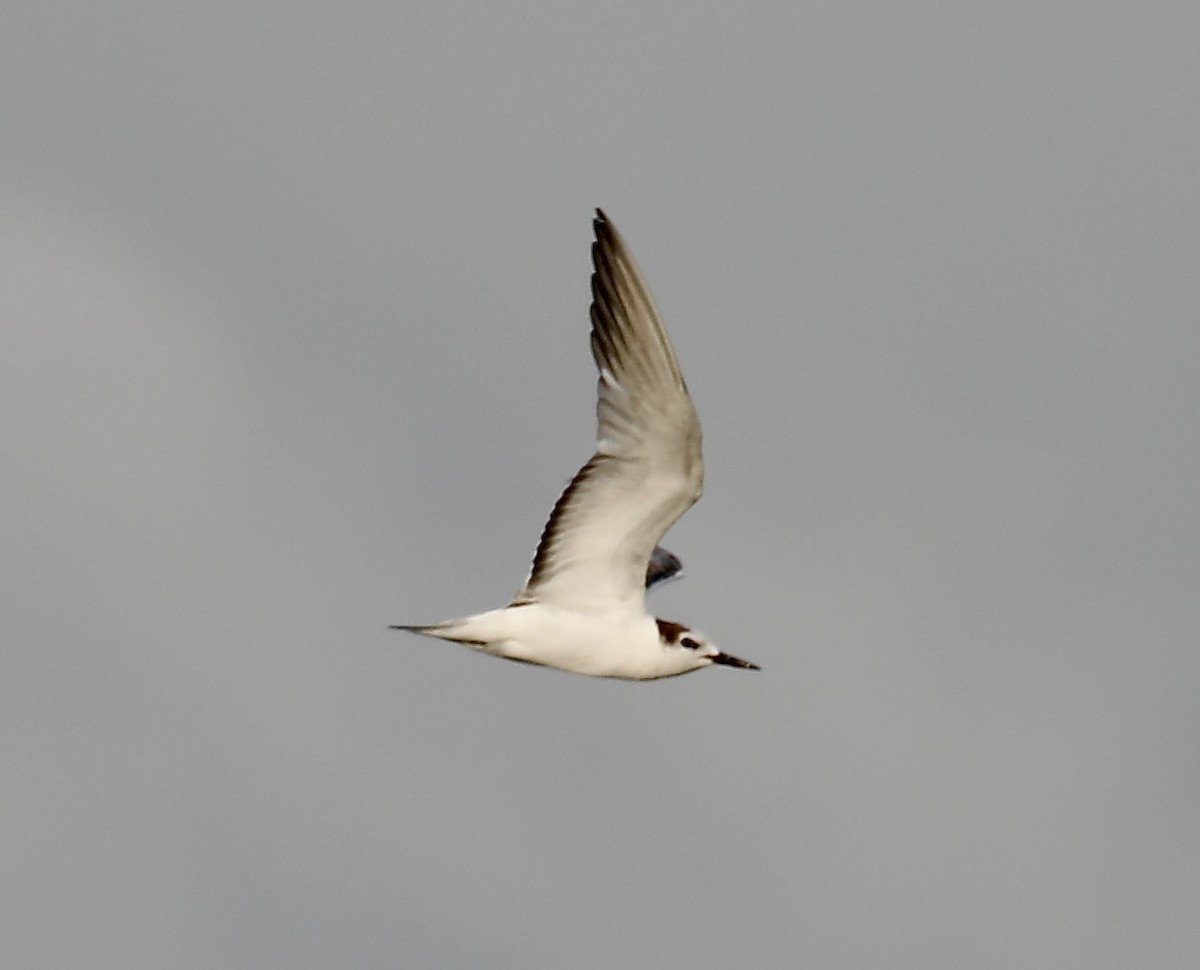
(583, 608)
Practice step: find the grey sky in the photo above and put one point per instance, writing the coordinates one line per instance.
(294, 310)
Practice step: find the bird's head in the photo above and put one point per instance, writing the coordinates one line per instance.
(694, 649)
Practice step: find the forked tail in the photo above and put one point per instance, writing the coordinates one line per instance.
(443, 631)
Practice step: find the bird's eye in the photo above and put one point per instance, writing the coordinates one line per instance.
(689, 643)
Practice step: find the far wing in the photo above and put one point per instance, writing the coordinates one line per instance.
(662, 566)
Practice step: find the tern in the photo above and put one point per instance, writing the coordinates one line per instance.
(583, 607)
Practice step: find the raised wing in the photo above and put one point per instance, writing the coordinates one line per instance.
(647, 470)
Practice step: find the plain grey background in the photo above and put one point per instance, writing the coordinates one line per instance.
(294, 321)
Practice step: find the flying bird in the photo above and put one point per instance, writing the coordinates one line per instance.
(583, 607)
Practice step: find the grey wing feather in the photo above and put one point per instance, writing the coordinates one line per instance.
(662, 566)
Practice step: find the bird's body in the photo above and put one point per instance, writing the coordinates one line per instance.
(615, 644)
(583, 608)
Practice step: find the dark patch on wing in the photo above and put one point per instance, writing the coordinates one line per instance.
(541, 558)
(661, 567)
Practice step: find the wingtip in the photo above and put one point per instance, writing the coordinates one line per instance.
(602, 225)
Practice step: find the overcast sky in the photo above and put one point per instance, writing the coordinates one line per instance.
(294, 308)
